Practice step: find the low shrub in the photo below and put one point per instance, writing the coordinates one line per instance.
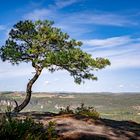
(66, 110)
(87, 111)
(83, 110)
(25, 129)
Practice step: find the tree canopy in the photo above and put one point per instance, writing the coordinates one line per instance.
(46, 46)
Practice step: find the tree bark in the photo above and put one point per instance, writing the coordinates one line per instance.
(18, 108)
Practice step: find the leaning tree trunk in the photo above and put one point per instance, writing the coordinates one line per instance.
(18, 108)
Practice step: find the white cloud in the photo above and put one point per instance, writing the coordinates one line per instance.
(4, 35)
(125, 61)
(102, 18)
(109, 53)
(108, 42)
(123, 51)
(121, 86)
(2, 27)
(64, 3)
(50, 11)
(46, 82)
(38, 14)
(56, 79)
(93, 17)
(8, 71)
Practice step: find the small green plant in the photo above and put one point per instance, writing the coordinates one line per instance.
(82, 110)
(67, 110)
(51, 132)
(8, 111)
(25, 129)
(87, 111)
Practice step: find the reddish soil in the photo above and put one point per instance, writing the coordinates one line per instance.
(72, 127)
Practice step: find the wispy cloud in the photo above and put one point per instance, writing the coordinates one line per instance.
(64, 3)
(7, 70)
(46, 82)
(104, 18)
(91, 17)
(128, 60)
(38, 14)
(2, 27)
(121, 86)
(123, 51)
(50, 11)
(108, 42)
(4, 34)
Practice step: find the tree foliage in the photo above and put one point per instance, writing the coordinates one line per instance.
(46, 46)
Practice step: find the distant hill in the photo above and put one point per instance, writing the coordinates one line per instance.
(117, 106)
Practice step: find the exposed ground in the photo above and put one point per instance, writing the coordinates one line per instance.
(72, 127)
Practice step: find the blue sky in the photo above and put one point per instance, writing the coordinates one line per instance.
(107, 28)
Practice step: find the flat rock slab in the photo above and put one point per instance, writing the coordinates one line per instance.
(73, 127)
